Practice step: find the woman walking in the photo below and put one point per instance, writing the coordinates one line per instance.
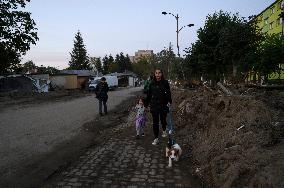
(159, 98)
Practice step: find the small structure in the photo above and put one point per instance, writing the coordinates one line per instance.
(64, 81)
(82, 76)
(24, 83)
(125, 79)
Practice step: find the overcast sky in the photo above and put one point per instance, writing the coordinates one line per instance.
(114, 26)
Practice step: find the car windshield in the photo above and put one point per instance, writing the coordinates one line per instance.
(95, 81)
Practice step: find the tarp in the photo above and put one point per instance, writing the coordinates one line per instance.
(23, 83)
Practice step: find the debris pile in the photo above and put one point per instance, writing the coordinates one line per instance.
(234, 140)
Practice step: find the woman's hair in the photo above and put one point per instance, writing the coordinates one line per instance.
(162, 77)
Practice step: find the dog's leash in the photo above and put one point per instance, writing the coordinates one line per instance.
(170, 121)
(170, 127)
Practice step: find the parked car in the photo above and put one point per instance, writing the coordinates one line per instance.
(112, 82)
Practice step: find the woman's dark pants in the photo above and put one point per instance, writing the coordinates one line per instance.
(156, 117)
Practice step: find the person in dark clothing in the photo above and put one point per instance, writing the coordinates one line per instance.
(147, 84)
(101, 94)
(159, 99)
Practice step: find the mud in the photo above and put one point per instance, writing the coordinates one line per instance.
(10, 99)
(235, 141)
(37, 169)
(227, 141)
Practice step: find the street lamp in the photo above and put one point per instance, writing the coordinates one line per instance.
(178, 29)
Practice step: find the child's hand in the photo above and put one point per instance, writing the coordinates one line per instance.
(148, 109)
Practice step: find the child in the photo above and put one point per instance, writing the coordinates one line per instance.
(140, 119)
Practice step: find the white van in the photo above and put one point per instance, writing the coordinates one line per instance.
(112, 82)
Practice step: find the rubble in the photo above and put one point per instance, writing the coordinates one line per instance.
(234, 139)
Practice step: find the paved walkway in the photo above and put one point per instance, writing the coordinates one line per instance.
(123, 161)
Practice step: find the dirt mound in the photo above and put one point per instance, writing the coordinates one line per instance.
(235, 141)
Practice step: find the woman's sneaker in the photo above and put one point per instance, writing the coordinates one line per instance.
(164, 134)
(156, 141)
(142, 134)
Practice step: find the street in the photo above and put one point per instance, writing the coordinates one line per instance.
(33, 132)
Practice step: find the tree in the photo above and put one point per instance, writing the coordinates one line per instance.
(79, 58)
(238, 40)
(223, 46)
(143, 68)
(107, 62)
(128, 64)
(17, 33)
(96, 62)
(9, 59)
(28, 67)
(165, 60)
(47, 70)
(270, 53)
(123, 62)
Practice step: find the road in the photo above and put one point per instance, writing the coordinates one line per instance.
(36, 130)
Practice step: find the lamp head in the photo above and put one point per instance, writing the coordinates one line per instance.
(190, 25)
(164, 13)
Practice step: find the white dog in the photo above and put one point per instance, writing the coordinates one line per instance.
(173, 152)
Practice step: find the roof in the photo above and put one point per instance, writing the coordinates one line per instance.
(122, 74)
(268, 7)
(79, 72)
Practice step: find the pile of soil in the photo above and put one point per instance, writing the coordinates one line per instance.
(234, 141)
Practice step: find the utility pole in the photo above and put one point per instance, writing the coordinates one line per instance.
(178, 29)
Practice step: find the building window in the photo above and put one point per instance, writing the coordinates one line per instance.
(278, 22)
(265, 21)
(272, 10)
(271, 25)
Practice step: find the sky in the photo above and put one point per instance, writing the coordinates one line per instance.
(114, 26)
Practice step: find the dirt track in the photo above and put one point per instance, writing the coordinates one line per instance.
(35, 132)
(229, 141)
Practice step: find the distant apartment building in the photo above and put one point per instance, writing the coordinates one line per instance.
(142, 53)
(132, 58)
(269, 20)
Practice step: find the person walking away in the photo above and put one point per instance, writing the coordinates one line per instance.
(140, 119)
(159, 98)
(101, 94)
(147, 84)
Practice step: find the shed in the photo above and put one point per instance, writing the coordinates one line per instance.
(82, 76)
(64, 81)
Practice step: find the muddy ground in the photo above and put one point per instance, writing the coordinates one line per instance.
(235, 141)
(8, 99)
(33, 171)
(228, 141)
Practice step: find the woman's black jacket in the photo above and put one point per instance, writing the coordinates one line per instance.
(158, 96)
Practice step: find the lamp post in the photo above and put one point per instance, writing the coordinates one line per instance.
(178, 29)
